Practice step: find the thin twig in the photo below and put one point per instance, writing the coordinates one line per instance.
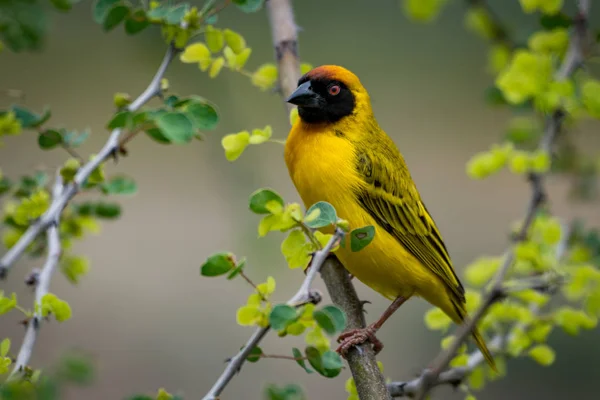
(572, 61)
(109, 149)
(304, 295)
(42, 287)
(455, 376)
(283, 357)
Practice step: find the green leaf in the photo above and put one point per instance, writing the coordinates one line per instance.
(4, 347)
(7, 303)
(76, 368)
(300, 361)
(52, 304)
(235, 272)
(542, 354)
(249, 6)
(235, 41)
(281, 316)
(176, 14)
(332, 361)
(107, 210)
(296, 250)
(218, 264)
(136, 22)
(120, 185)
(23, 24)
(322, 363)
(288, 392)
(176, 126)
(49, 139)
(120, 120)
(361, 237)
(326, 216)
(493, 96)
(63, 5)
(73, 139)
(203, 115)
(28, 118)
(331, 318)
(115, 15)
(255, 354)
(260, 198)
(157, 135)
(214, 39)
(101, 9)
(559, 20)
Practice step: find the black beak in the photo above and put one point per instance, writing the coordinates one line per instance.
(304, 96)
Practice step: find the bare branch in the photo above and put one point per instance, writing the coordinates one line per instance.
(303, 296)
(370, 383)
(109, 149)
(43, 285)
(455, 376)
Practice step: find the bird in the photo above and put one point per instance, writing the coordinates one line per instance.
(336, 152)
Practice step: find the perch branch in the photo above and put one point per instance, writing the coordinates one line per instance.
(59, 203)
(42, 287)
(454, 376)
(572, 61)
(370, 383)
(304, 295)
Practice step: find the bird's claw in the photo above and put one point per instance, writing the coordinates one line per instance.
(354, 337)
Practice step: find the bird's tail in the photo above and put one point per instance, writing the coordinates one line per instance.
(484, 350)
(460, 309)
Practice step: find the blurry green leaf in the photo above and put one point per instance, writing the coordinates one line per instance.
(59, 308)
(175, 14)
(249, 6)
(107, 210)
(63, 5)
(73, 139)
(542, 354)
(288, 392)
(176, 126)
(23, 24)
(325, 364)
(157, 135)
(255, 354)
(361, 237)
(332, 361)
(235, 144)
(136, 22)
(115, 15)
(326, 216)
(476, 378)
(119, 185)
(558, 20)
(217, 264)
(215, 40)
(29, 119)
(203, 115)
(331, 319)
(7, 303)
(260, 198)
(76, 368)
(234, 40)
(299, 360)
(239, 268)
(4, 347)
(101, 9)
(493, 96)
(120, 120)
(281, 316)
(49, 139)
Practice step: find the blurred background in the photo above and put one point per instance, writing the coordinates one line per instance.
(144, 312)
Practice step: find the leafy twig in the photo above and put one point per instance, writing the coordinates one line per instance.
(59, 203)
(304, 295)
(454, 376)
(572, 61)
(42, 286)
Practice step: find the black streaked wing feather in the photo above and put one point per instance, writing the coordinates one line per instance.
(391, 198)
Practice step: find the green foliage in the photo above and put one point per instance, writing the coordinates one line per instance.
(361, 237)
(423, 10)
(288, 392)
(235, 143)
(320, 214)
(218, 264)
(331, 319)
(51, 304)
(281, 316)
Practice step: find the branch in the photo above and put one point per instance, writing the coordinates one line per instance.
(370, 383)
(43, 284)
(285, 40)
(303, 296)
(59, 203)
(455, 376)
(572, 61)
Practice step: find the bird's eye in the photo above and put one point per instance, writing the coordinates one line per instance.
(334, 90)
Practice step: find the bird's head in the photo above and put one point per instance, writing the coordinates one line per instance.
(329, 93)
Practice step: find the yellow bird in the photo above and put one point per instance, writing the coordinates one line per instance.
(336, 152)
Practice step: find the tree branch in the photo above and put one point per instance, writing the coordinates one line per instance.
(370, 383)
(572, 61)
(60, 202)
(455, 376)
(303, 296)
(42, 287)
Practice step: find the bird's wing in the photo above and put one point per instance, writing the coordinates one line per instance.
(391, 198)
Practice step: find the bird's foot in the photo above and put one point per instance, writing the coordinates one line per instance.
(354, 337)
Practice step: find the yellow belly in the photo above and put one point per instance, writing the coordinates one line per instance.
(321, 175)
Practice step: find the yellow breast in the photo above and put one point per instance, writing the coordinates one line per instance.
(322, 167)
